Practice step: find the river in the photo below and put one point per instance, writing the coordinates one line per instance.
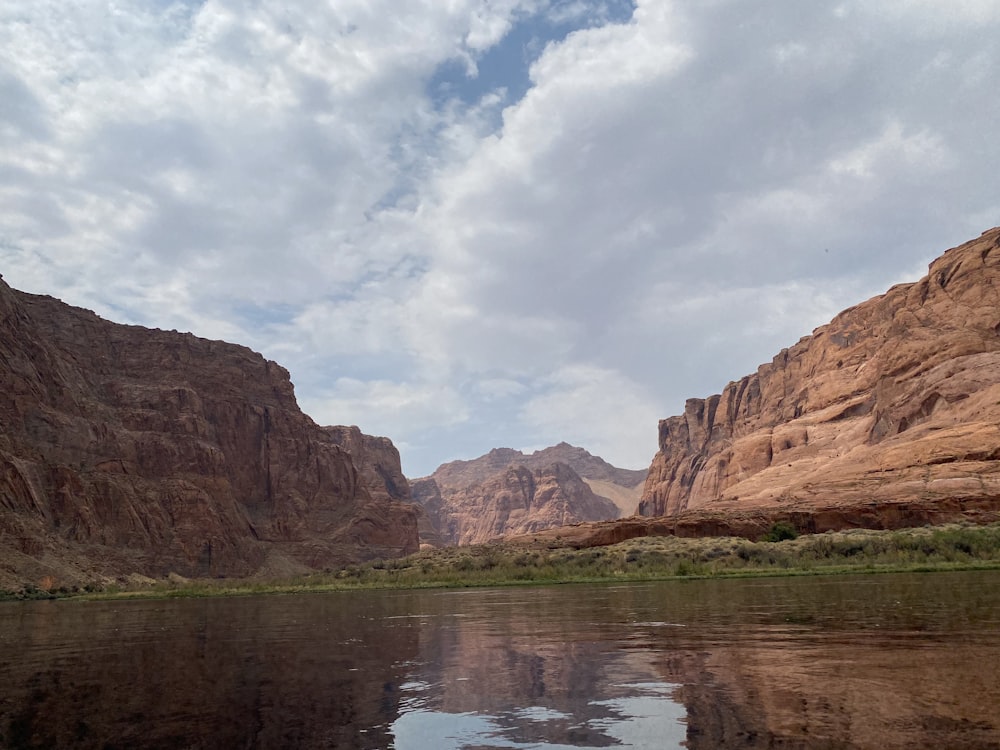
(878, 661)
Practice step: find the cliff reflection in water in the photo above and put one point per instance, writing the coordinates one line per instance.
(277, 672)
(878, 661)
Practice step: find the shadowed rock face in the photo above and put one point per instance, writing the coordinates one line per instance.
(895, 400)
(124, 449)
(377, 461)
(515, 500)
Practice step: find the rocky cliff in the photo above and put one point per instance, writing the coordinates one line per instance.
(377, 461)
(381, 472)
(514, 500)
(896, 400)
(124, 449)
(587, 465)
(506, 492)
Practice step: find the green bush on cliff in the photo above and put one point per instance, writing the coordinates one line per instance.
(780, 531)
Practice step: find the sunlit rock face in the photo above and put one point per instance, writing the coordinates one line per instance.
(508, 493)
(125, 449)
(896, 400)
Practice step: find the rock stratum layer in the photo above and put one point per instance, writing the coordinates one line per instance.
(124, 449)
(507, 492)
(895, 401)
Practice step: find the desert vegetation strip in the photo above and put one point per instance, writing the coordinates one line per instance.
(953, 547)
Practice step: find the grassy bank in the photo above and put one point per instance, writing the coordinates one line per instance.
(647, 558)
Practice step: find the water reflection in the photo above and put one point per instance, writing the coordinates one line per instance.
(880, 661)
(644, 716)
(287, 672)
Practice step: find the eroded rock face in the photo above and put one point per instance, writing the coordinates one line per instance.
(513, 500)
(895, 400)
(124, 449)
(433, 520)
(377, 461)
(588, 466)
(754, 523)
(468, 502)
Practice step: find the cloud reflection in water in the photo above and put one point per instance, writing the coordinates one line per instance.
(638, 715)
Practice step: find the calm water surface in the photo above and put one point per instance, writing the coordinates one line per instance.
(900, 661)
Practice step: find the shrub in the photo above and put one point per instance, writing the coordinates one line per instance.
(780, 531)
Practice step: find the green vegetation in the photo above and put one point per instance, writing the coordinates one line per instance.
(781, 531)
(643, 559)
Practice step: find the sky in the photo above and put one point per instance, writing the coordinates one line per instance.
(469, 224)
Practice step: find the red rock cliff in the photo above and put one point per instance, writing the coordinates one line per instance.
(897, 399)
(127, 449)
(377, 460)
(514, 500)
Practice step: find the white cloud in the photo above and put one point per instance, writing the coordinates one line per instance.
(383, 405)
(680, 192)
(894, 150)
(601, 407)
(935, 16)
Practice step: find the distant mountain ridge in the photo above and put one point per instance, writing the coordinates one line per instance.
(587, 465)
(507, 492)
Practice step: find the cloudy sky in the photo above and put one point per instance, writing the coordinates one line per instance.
(483, 223)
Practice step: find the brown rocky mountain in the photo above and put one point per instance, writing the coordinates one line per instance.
(381, 472)
(513, 500)
(891, 412)
(124, 449)
(507, 492)
(377, 461)
(590, 467)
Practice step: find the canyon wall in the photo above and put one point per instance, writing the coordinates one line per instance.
(377, 460)
(129, 450)
(584, 463)
(896, 400)
(473, 507)
(506, 492)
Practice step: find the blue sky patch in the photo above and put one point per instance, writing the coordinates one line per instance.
(505, 65)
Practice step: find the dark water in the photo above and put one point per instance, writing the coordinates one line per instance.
(902, 661)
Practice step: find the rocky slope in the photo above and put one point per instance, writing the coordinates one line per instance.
(514, 500)
(124, 449)
(895, 401)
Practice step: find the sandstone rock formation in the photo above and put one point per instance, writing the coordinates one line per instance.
(517, 500)
(897, 400)
(507, 492)
(433, 522)
(124, 449)
(377, 461)
(448, 496)
(755, 523)
(587, 465)
(381, 472)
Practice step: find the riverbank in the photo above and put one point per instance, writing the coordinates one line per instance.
(950, 547)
